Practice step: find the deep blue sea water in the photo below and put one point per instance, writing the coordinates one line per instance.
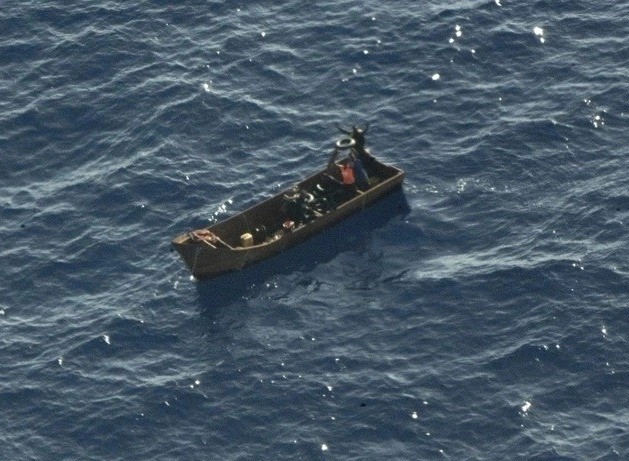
(480, 314)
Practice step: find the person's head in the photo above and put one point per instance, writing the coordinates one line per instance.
(358, 136)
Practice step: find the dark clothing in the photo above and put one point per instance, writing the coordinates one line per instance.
(362, 179)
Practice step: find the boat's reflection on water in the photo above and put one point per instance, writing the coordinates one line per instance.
(321, 248)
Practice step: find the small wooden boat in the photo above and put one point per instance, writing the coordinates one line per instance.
(286, 219)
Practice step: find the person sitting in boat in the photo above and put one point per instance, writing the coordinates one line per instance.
(353, 173)
(344, 170)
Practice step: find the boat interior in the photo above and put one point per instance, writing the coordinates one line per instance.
(311, 198)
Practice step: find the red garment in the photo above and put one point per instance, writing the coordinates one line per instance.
(348, 175)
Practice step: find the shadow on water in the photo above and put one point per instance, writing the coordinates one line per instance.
(321, 248)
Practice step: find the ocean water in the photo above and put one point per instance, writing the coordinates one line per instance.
(479, 314)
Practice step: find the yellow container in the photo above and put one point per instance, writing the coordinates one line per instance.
(246, 240)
